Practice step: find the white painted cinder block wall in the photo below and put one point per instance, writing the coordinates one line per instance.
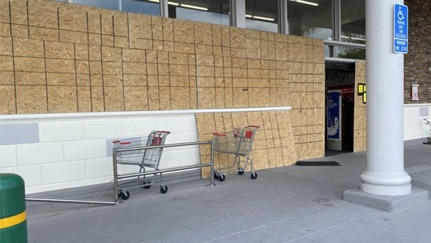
(73, 152)
(414, 124)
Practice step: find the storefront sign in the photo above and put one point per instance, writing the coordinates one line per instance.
(401, 26)
(334, 114)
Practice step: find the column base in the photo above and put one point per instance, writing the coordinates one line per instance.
(386, 190)
(388, 184)
(386, 203)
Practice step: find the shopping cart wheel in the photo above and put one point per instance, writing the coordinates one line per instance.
(215, 176)
(147, 184)
(253, 175)
(240, 171)
(163, 189)
(221, 177)
(124, 195)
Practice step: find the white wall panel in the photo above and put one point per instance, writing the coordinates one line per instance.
(8, 155)
(102, 128)
(39, 153)
(85, 149)
(63, 172)
(174, 123)
(98, 167)
(60, 131)
(138, 126)
(31, 174)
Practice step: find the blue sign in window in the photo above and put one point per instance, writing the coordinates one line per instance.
(401, 26)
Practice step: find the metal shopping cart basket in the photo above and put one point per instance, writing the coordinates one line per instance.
(144, 158)
(239, 143)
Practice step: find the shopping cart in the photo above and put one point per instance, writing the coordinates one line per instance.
(144, 158)
(239, 143)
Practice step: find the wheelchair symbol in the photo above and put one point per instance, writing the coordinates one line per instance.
(400, 14)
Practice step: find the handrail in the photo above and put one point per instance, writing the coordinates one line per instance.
(346, 44)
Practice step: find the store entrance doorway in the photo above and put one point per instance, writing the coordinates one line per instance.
(339, 107)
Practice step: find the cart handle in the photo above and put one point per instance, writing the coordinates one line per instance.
(167, 132)
(116, 141)
(219, 134)
(124, 143)
(254, 126)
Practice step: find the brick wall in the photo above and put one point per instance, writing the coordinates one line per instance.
(418, 60)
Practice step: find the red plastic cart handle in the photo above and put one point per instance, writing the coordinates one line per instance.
(167, 132)
(116, 141)
(254, 126)
(124, 143)
(248, 134)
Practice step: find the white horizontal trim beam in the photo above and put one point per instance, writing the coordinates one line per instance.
(335, 59)
(12, 118)
(345, 44)
(418, 105)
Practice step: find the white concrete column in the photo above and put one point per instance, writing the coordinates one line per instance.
(385, 173)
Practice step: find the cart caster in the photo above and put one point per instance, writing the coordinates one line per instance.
(147, 184)
(163, 189)
(221, 177)
(124, 195)
(253, 175)
(215, 176)
(240, 171)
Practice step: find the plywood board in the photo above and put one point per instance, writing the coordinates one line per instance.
(28, 48)
(136, 98)
(84, 99)
(31, 99)
(73, 37)
(7, 78)
(71, 17)
(7, 92)
(62, 99)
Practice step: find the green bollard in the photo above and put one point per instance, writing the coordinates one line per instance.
(13, 223)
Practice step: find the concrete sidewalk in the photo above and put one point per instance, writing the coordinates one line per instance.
(289, 204)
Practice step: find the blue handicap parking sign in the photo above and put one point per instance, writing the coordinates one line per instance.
(400, 46)
(401, 27)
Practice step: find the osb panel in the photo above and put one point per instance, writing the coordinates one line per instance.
(7, 106)
(6, 78)
(5, 46)
(136, 98)
(38, 33)
(18, 10)
(59, 50)
(72, 17)
(104, 60)
(61, 99)
(42, 14)
(31, 99)
(273, 147)
(74, 37)
(360, 114)
(84, 99)
(28, 48)
(20, 31)
(4, 29)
